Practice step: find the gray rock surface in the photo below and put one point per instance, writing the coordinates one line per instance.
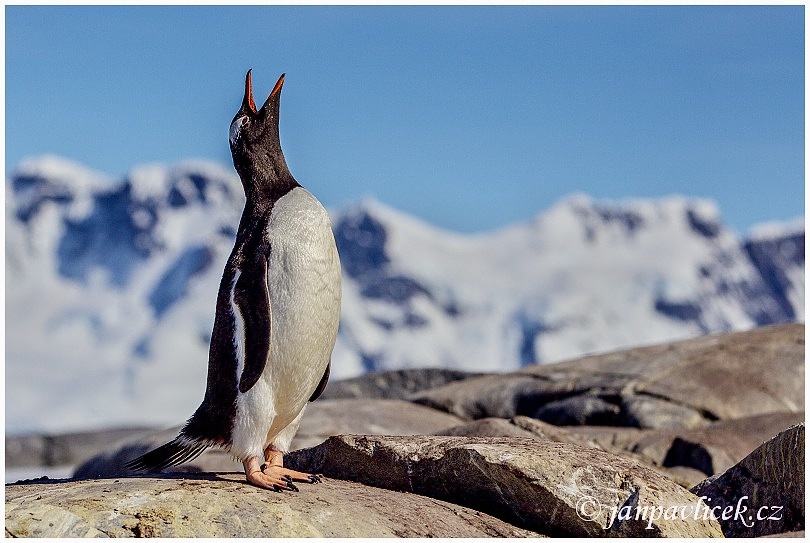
(764, 491)
(488, 427)
(325, 418)
(223, 505)
(557, 489)
(686, 384)
(393, 384)
(687, 455)
(579, 410)
(61, 449)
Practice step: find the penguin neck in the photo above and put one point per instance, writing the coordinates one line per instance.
(267, 182)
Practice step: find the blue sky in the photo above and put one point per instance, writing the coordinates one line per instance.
(469, 117)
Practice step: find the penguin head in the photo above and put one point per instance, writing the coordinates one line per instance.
(254, 138)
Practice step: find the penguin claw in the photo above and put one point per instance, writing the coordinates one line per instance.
(290, 484)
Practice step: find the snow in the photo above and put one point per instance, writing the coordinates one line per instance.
(775, 229)
(60, 170)
(583, 276)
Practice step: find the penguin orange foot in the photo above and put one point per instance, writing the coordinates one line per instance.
(272, 477)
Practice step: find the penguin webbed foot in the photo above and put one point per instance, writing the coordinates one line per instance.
(275, 477)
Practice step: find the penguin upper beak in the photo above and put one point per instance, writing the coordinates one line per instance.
(247, 101)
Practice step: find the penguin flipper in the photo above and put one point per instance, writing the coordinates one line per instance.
(322, 384)
(173, 453)
(251, 303)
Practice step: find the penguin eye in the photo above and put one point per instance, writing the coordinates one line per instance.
(236, 129)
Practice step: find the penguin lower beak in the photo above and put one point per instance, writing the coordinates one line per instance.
(275, 95)
(279, 83)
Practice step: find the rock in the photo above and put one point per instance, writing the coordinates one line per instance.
(685, 477)
(686, 384)
(322, 419)
(528, 427)
(556, 489)
(649, 412)
(688, 456)
(61, 449)
(489, 427)
(579, 410)
(223, 505)
(549, 432)
(325, 418)
(501, 395)
(764, 492)
(394, 384)
(710, 450)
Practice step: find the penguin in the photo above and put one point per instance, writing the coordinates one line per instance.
(277, 314)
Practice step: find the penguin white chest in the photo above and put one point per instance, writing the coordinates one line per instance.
(303, 284)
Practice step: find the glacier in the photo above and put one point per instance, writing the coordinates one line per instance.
(111, 285)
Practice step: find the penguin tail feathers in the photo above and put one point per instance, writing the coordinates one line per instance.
(173, 453)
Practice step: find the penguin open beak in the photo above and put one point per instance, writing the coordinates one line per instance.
(248, 102)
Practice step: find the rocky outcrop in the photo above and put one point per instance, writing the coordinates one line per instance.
(764, 493)
(686, 384)
(552, 488)
(633, 431)
(223, 505)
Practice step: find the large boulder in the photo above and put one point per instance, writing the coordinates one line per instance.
(223, 505)
(764, 493)
(557, 489)
(685, 384)
(686, 455)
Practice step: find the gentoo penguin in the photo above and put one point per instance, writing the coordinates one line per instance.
(276, 315)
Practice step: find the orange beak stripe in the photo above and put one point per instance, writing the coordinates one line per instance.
(249, 93)
(279, 83)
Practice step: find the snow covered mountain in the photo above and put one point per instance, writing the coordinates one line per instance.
(111, 284)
